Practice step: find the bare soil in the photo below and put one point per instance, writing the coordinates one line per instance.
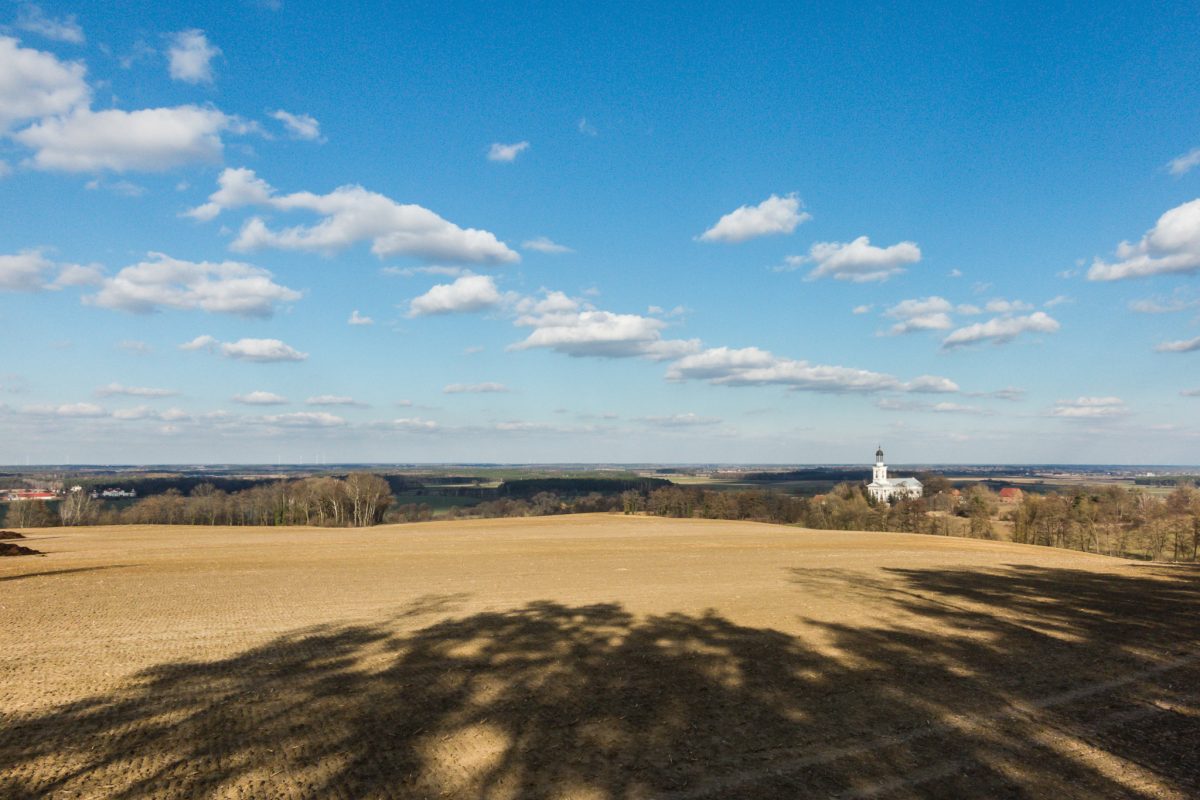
(10, 535)
(9, 549)
(591, 656)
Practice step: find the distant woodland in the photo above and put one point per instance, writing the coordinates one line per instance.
(1110, 520)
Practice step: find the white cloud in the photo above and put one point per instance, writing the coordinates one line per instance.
(931, 384)
(863, 309)
(506, 152)
(1190, 392)
(237, 187)
(359, 319)
(468, 293)
(561, 324)
(351, 214)
(1185, 162)
(33, 19)
(475, 388)
(411, 425)
(259, 398)
(1001, 329)
(1169, 305)
(954, 273)
(586, 128)
(299, 126)
(1180, 346)
(133, 391)
(924, 322)
(1057, 300)
(305, 419)
(922, 314)
(751, 366)
(261, 350)
(1172, 246)
(190, 57)
(84, 410)
(24, 272)
(35, 84)
(1090, 408)
(5, 169)
(775, 215)
(150, 139)
(228, 287)
(543, 244)
(858, 261)
(1002, 306)
(333, 400)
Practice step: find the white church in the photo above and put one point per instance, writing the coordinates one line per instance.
(882, 487)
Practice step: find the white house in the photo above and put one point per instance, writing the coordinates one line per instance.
(882, 487)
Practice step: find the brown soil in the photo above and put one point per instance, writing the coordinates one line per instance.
(7, 549)
(591, 657)
(10, 535)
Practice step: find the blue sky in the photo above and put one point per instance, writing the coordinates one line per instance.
(682, 233)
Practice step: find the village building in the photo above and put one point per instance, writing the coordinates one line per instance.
(1011, 494)
(887, 489)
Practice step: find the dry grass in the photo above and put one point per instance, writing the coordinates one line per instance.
(590, 656)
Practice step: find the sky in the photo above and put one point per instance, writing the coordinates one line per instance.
(648, 232)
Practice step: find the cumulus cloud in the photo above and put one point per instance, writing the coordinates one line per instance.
(506, 152)
(1185, 162)
(922, 314)
(1090, 408)
(236, 187)
(359, 319)
(775, 215)
(82, 410)
(228, 287)
(475, 388)
(149, 139)
(133, 391)
(1179, 346)
(863, 309)
(468, 293)
(299, 126)
(305, 419)
(190, 57)
(26, 271)
(562, 324)
(78, 275)
(1001, 329)
(261, 350)
(33, 19)
(1002, 306)
(858, 261)
(260, 398)
(351, 214)
(35, 84)
(751, 366)
(333, 400)
(543, 244)
(1172, 246)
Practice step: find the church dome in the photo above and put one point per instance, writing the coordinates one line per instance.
(879, 454)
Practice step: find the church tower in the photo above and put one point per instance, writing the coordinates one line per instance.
(879, 473)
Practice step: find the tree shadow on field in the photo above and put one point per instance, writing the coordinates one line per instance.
(1017, 682)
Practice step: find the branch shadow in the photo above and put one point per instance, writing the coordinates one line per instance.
(1018, 682)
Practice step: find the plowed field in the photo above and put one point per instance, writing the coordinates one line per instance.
(590, 656)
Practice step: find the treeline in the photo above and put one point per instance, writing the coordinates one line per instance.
(1114, 521)
(847, 507)
(358, 500)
